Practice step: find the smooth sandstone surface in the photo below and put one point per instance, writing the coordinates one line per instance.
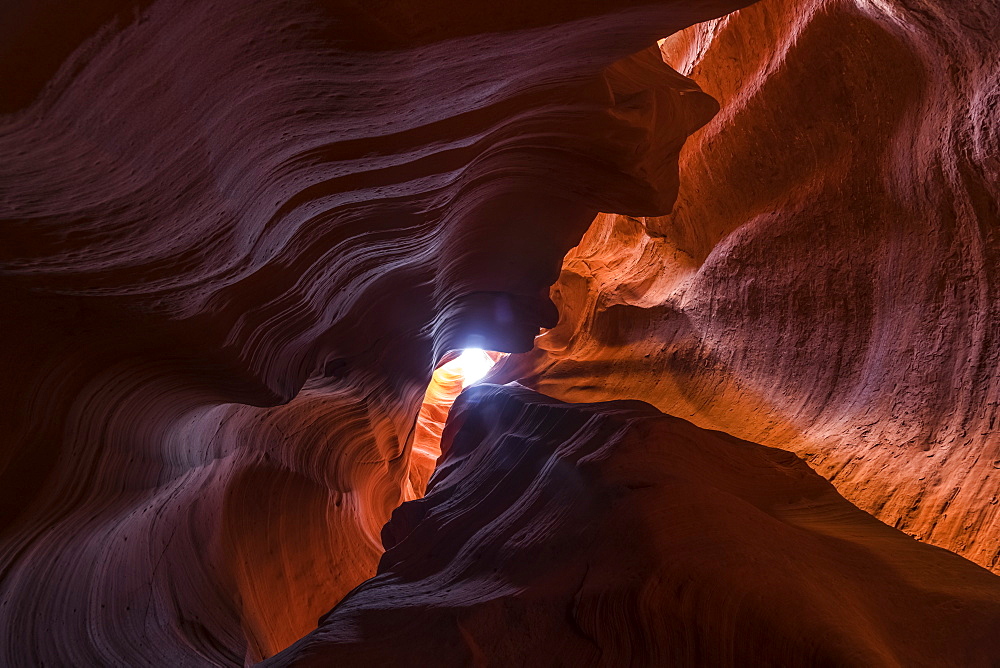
(828, 280)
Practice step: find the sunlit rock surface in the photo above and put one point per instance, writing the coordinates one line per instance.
(828, 281)
(614, 535)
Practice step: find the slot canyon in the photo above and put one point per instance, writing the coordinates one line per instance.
(436, 333)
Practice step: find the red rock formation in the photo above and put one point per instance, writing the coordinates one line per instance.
(236, 239)
(828, 280)
(613, 535)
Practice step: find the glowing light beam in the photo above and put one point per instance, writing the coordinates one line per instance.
(472, 365)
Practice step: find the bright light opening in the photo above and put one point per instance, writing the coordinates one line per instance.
(471, 365)
(448, 381)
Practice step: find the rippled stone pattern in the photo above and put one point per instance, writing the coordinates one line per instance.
(611, 534)
(235, 239)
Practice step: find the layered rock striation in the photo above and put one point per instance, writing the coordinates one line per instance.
(236, 240)
(611, 534)
(828, 281)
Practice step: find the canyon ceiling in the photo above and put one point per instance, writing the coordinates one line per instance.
(759, 424)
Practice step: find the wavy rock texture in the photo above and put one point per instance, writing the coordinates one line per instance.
(236, 239)
(828, 281)
(737, 554)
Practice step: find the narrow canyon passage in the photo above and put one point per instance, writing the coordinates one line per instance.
(713, 286)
